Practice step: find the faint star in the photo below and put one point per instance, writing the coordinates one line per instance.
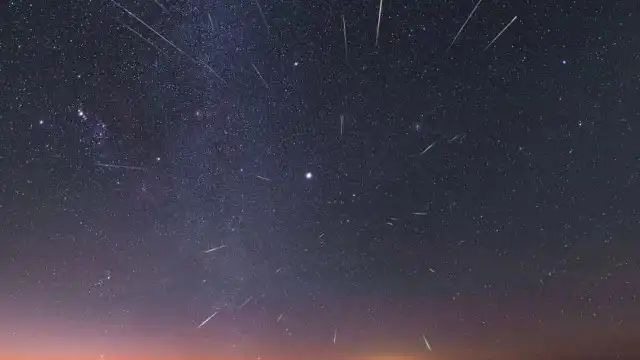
(41, 122)
(296, 63)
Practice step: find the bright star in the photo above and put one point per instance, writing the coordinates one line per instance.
(308, 175)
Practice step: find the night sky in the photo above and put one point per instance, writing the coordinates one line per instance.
(285, 179)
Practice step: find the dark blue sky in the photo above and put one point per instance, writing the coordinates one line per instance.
(486, 199)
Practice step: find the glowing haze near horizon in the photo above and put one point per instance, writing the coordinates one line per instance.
(322, 204)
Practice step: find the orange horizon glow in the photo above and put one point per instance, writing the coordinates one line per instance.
(98, 357)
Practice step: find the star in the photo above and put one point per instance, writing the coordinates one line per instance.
(308, 175)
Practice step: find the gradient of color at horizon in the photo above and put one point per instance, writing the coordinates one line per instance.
(251, 179)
